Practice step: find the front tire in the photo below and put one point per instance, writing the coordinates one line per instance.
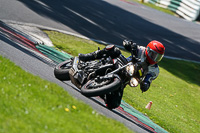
(61, 71)
(93, 88)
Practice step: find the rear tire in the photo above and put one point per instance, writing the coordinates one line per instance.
(92, 88)
(61, 71)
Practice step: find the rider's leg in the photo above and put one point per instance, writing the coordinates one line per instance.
(113, 100)
(91, 56)
(109, 50)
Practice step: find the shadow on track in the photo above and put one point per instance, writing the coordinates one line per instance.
(101, 20)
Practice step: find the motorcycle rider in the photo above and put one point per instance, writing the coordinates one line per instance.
(149, 56)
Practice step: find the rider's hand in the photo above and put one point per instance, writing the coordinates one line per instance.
(144, 86)
(127, 44)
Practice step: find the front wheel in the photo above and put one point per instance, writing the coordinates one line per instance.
(93, 88)
(61, 71)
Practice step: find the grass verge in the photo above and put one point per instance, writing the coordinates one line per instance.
(175, 93)
(165, 10)
(29, 104)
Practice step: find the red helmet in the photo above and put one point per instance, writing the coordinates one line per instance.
(154, 52)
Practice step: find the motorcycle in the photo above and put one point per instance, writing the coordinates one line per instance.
(105, 77)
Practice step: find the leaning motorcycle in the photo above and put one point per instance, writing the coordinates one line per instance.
(105, 77)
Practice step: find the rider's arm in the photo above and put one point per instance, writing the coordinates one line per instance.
(129, 59)
(151, 75)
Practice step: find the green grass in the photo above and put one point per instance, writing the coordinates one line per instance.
(175, 93)
(29, 104)
(165, 10)
(175, 98)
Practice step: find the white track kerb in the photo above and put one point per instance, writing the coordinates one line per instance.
(80, 36)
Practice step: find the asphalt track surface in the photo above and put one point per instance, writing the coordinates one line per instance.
(110, 21)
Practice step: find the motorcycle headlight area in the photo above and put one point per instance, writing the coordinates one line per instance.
(133, 82)
(130, 70)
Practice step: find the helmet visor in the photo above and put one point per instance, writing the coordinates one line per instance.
(156, 57)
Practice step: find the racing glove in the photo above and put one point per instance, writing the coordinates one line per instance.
(129, 45)
(144, 86)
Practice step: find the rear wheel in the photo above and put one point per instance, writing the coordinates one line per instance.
(94, 88)
(61, 71)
